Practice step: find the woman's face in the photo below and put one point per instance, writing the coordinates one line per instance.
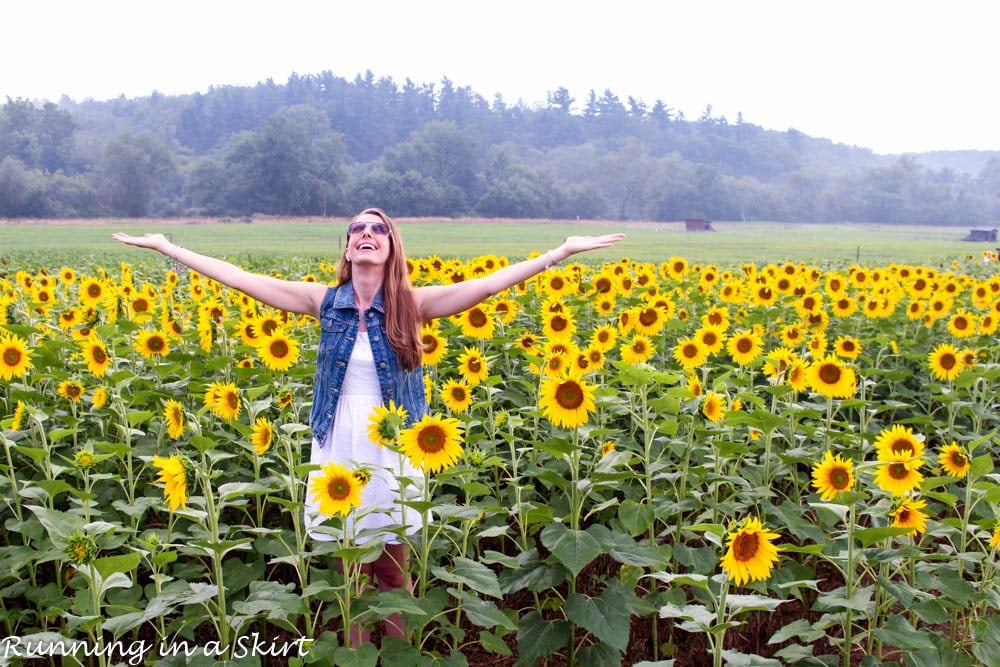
(369, 240)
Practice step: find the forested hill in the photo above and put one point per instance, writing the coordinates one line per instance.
(324, 145)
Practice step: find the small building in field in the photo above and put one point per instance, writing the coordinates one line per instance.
(698, 226)
(982, 234)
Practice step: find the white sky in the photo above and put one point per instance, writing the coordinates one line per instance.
(888, 75)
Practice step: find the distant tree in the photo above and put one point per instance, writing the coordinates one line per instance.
(561, 100)
(444, 154)
(21, 190)
(131, 173)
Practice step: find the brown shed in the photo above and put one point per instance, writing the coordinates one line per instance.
(981, 234)
(698, 226)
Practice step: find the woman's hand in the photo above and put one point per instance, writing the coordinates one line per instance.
(153, 241)
(575, 244)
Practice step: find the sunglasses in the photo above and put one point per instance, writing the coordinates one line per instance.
(380, 228)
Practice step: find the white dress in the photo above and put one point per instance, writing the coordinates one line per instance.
(347, 443)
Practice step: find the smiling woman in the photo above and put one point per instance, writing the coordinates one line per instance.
(369, 357)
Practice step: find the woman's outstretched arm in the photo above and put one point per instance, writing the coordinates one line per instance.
(292, 296)
(443, 300)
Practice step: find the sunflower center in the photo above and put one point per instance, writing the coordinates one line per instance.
(839, 479)
(961, 323)
(744, 345)
(156, 344)
(958, 459)
(569, 395)
(709, 338)
(457, 394)
(98, 355)
(557, 283)
(690, 351)
(93, 291)
(648, 316)
(475, 365)
(948, 361)
(639, 347)
(431, 439)
(903, 515)
(430, 343)
(902, 446)
(898, 471)
(477, 318)
(140, 305)
(279, 349)
(745, 546)
(339, 488)
(829, 373)
(12, 357)
(603, 285)
(232, 400)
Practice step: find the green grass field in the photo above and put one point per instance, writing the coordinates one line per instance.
(733, 242)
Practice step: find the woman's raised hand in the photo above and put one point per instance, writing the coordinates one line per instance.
(575, 244)
(153, 241)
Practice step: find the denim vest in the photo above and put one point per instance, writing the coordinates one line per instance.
(339, 321)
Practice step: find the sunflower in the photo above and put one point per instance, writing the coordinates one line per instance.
(476, 323)
(954, 460)
(689, 353)
(899, 474)
(527, 341)
(285, 398)
(385, 423)
(792, 335)
(603, 337)
(945, 362)
(649, 320)
(558, 326)
(152, 344)
(473, 366)
(224, 399)
(91, 292)
(173, 474)
(898, 440)
(278, 351)
(638, 350)
(335, 489)
(15, 357)
(712, 339)
(173, 415)
(694, 385)
(456, 395)
(433, 345)
(96, 356)
(745, 346)
(829, 377)
(909, 514)
(18, 420)
(847, 347)
(71, 389)
(833, 475)
(595, 357)
(80, 549)
(262, 436)
(995, 540)
(713, 406)
(566, 401)
(433, 443)
(962, 324)
(675, 268)
(751, 554)
(844, 306)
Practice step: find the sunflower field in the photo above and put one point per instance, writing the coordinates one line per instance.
(626, 463)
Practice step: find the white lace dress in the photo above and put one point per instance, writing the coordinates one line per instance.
(347, 443)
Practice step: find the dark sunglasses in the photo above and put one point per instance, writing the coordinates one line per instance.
(380, 228)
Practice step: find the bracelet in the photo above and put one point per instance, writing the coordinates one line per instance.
(176, 253)
(550, 260)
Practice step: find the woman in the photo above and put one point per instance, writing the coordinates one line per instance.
(369, 354)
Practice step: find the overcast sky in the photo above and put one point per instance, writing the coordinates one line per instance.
(888, 75)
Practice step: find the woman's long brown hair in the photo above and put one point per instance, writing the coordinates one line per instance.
(402, 324)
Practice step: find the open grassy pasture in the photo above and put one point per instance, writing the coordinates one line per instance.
(758, 242)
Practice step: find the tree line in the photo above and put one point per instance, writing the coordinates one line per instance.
(322, 145)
